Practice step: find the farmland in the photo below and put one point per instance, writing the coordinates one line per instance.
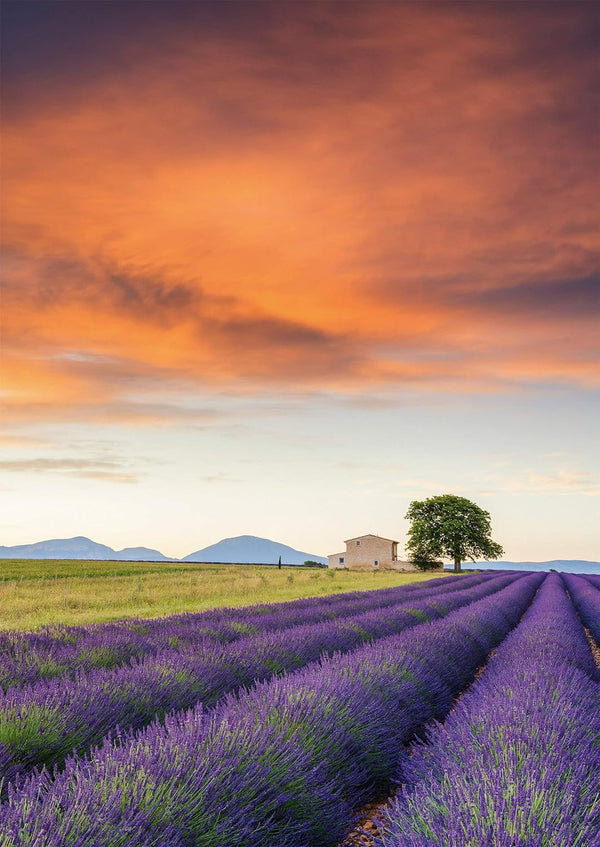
(36, 593)
(474, 700)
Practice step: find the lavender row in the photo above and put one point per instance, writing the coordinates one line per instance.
(593, 578)
(518, 759)
(587, 602)
(286, 762)
(25, 658)
(42, 724)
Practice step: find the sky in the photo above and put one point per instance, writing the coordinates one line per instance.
(281, 268)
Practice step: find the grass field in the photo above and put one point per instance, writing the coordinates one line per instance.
(38, 592)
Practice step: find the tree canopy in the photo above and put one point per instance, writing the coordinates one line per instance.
(449, 527)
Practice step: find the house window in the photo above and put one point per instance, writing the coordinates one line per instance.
(341, 560)
(358, 543)
(376, 563)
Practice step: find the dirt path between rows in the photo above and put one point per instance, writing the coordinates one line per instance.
(366, 831)
(594, 647)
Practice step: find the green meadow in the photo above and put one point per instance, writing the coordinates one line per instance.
(38, 592)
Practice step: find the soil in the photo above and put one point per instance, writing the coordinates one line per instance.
(594, 647)
(366, 831)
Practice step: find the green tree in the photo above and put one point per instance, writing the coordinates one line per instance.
(450, 527)
(424, 562)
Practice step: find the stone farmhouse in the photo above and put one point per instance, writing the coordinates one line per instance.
(369, 552)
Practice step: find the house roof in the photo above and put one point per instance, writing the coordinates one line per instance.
(370, 535)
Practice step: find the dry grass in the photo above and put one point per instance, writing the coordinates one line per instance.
(34, 593)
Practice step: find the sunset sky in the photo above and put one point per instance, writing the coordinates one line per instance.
(281, 268)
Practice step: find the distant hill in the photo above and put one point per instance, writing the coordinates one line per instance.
(80, 548)
(140, 554)
(244, 549)
(248, 549)
(568, 565)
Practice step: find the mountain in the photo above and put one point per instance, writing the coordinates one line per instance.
(140, 554)
(244, 549)
(568, 565)
(79, 548)
(248, 549)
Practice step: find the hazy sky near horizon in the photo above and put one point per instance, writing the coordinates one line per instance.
(281, 268)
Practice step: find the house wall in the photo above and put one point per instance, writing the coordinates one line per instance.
(365, 551)
(371, 549)
(333, 561)
(404, 567)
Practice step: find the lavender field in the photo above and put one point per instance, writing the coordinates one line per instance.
(474, 702)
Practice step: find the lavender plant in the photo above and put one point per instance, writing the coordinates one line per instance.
(517, 762)
(285, 762)
(44, 723)
(587, 602)
(61, 651)
(593, 578)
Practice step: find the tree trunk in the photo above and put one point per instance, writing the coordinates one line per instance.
(457, 565)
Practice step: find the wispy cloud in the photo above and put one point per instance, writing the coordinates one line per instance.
(559, 482)
(15, 442)
(545, 482)
(110, 471)
(220, 478)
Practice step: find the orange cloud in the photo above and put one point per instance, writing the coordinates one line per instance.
(398, 194)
